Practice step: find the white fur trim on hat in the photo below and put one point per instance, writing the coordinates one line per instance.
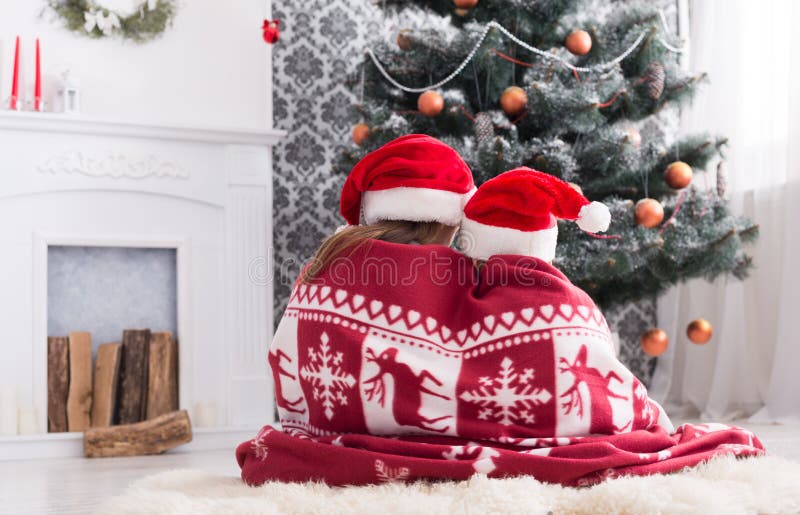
(594, 217)
(481, 241)
(413, 204)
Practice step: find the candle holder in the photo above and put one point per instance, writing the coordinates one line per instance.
(13, 106)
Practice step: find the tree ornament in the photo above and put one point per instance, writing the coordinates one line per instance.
(360, 133)
(654, 79)
(430, 103)
(648, 212)
(513, 100)
(461, 12)
(403, 41)
(465, 4)
(654, 342)
(699, 331)
(270, 31)
(579, 42)
(722, 179)
(633, 136)
(678, 175)
(484, 127)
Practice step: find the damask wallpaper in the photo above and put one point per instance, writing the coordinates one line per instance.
(321, 43)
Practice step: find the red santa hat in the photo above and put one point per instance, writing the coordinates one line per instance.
(414, 177)
(515, 213)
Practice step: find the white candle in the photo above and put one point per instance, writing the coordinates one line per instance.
(28, 420)
(8, 411)
(205, 414)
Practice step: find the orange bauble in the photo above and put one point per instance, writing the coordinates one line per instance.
(513, 100)
(699, 331)
(430, 103)
(648, 212)
(678, 175)
(465, 4)
(360, 133)
(654, 342)
(579, 42)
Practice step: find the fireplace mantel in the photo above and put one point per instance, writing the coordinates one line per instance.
(207, 192)
(65, 124)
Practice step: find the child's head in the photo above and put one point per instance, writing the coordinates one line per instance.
(516, 213)
(411, 190)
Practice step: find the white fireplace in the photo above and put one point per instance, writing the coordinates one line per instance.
(205, 193)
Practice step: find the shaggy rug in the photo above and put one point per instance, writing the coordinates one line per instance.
(723, 485)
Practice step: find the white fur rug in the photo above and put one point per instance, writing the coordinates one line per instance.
(724, 485)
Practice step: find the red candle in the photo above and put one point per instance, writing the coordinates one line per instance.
(15, 79)
(37, 89)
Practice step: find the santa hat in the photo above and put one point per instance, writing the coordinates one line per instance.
(414, 177)
(515, 213)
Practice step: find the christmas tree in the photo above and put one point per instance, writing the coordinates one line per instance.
(581, 90)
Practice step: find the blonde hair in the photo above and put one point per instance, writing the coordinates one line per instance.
(394, 231)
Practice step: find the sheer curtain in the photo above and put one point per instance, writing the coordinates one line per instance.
(750, 367)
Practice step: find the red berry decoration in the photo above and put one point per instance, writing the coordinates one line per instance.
(270, 31)
(648, 212)
(360, 133)
(465, 4)
(430, 103)
(654, 342)
(678, 175)
(699, 331)
(579, 42)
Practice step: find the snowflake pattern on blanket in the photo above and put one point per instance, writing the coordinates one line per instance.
(509, 371)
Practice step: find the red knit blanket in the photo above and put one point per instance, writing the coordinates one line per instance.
(405, 362)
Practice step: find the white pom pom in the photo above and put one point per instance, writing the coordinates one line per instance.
(594, 217)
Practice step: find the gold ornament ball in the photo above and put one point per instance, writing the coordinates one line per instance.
(465, 4)
(699, 331)
(430, 103)
(634, 136)
(579, 42)
(513, 100)
(648, 212)
(360, 133)
(654, 342)
(678, 175)
(403, 41)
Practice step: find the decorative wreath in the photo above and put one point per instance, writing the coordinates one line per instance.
(91, 19)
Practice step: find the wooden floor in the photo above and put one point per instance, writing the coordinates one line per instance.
(77, 485)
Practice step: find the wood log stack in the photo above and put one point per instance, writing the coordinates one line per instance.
(127, 403)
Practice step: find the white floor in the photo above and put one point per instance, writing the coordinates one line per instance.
(77, 485)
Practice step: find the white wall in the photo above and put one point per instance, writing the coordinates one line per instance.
(208, 69)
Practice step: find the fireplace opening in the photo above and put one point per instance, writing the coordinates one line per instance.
(112, 335)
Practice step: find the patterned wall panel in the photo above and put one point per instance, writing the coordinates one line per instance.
(321, 42)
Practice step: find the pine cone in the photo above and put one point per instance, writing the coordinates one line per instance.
(654, 79)
(484, 128)
(722, 179)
